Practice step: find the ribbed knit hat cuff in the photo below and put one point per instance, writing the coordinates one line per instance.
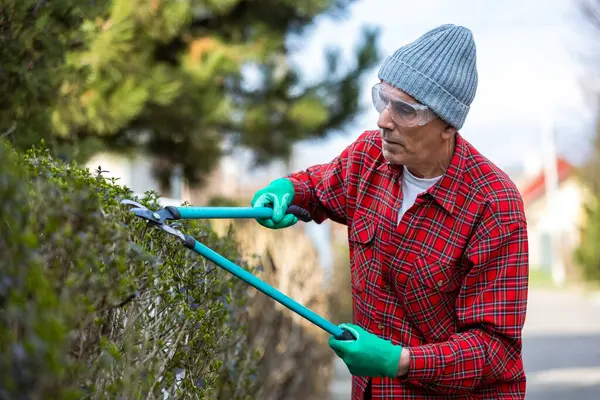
(424, 90)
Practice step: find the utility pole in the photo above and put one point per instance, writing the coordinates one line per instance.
(551, 185)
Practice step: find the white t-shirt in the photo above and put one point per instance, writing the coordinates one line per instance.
(411, 188)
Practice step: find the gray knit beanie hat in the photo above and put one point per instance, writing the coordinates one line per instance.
(439, 70)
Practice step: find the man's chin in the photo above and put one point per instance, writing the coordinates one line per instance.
(393, 157)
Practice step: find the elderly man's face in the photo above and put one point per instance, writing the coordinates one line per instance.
(416, 147)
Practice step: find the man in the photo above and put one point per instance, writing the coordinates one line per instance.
(437, 236)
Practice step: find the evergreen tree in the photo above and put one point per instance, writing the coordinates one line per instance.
(34, 38)
(170, 78)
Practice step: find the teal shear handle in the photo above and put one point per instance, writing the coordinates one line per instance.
(233, 212)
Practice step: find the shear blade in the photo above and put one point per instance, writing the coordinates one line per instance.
(142, 211)
(133, 203)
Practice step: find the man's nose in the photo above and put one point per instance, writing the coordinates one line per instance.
(385, 120)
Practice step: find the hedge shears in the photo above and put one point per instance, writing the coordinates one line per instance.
(159, 218)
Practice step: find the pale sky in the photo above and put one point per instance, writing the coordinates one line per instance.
(526, 58)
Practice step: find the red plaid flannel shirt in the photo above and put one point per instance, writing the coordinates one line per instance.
(449, 281)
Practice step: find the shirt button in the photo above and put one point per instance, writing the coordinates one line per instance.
(440, 282)
(380, 326)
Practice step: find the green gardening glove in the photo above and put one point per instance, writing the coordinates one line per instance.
(279, 194)
(368, 355)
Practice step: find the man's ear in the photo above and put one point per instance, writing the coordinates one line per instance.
(448, 132)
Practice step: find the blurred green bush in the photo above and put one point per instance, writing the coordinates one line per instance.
(95, 305)
(587, 253)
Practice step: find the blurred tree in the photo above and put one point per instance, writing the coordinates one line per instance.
(187, 80)
(34, 38)
(588, 253)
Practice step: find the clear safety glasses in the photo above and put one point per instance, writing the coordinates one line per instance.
(402, 112)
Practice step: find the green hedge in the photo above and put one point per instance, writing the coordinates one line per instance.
(95, 305)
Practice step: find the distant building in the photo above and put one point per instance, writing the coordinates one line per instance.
(553, 228)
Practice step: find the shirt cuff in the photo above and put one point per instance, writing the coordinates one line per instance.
(301, 193)
(422, 364)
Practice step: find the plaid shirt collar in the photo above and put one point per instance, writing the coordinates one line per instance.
(445, 190)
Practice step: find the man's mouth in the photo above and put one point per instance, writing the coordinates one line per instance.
(392, 142)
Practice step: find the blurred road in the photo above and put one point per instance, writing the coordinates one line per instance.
(561, 348)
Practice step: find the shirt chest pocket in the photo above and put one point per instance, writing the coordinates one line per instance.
(362, 249)
(430, 297)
